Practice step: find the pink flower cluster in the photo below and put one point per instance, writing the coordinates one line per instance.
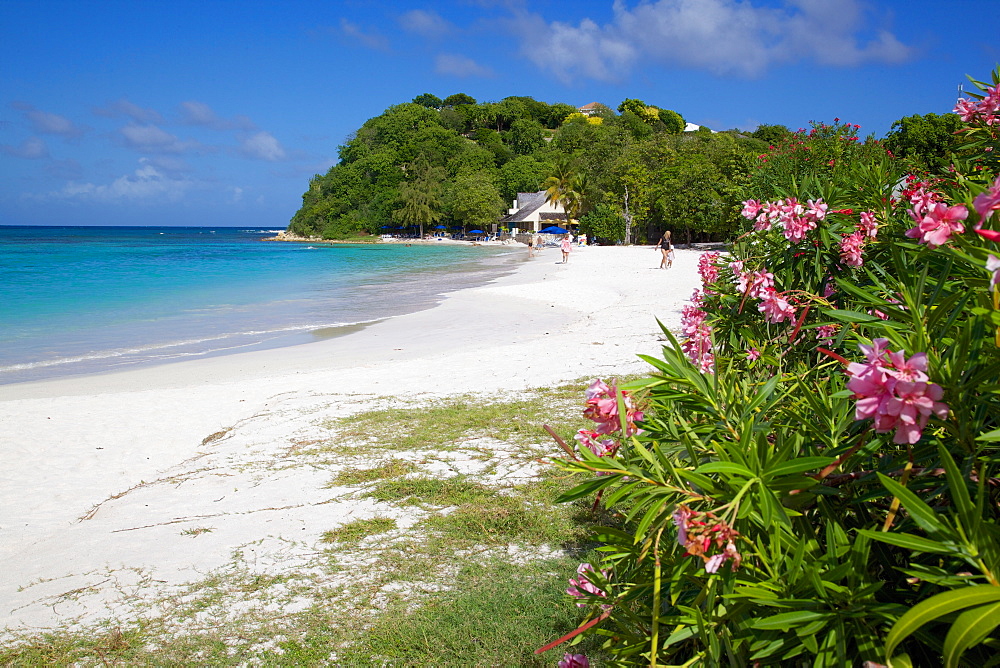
(993, 264)
(825, 333)
(852, 245)
(574, 661)
(986, 111)
(851, 248)
(751, 283)
(602, 407)
(697, 344)
(582, 587)
(601, 447)
(936, 221)
(796, 219)
(895, 392)
(775, 306)
(700, 532)
(985, 204)
(707, 268)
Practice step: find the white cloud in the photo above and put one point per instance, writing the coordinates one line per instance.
(31, 148)
(199, 113)
(723, 37)
(459, 66)
(146, 184)
(426, 24)
(123, 107)
(47, 123)
(372, 40)
(262, 145)
(152, 139)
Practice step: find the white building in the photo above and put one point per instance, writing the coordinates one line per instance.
(531, 213)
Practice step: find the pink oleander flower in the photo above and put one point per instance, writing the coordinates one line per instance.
(697, 343)
(775, 307)
(850, 248)
(589, 440)
(966, 109)
(825, 333)
(987, 202)
(763, 223)
(760, 282)
(993, 264)
(894, 392)
(828, 289)
(753, 354)
(868, 225)
(700, 533)
(582, 587)
(707, 268)
(750, 209)
(938, 223)
(601, 402)
(817, 210)
(796, 228)
(574, 661)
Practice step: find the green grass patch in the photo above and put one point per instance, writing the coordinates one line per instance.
(453, 491)
(358, 530)
(497, 614)
(394, 468)
(443, 424)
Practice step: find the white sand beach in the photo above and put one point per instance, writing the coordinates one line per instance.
(106, 477)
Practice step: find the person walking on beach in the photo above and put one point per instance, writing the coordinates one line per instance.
(531, 246)
(566, 246)
(667, 249)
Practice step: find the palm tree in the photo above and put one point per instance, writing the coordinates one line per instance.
(564, 187)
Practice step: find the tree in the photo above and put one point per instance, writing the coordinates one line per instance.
(672, 121)
(604, 224)
(521, 175)
(927, 140)
(420, 197)
(772, 134)
(525, 135)
(458, 99)
(473, 199)
(428, 100)
(561, 187)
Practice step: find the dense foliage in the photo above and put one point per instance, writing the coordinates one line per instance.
(811, 475)
(460, 163)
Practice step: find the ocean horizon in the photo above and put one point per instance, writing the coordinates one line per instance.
(82, 300)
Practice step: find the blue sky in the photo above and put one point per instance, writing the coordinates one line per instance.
(218, 112)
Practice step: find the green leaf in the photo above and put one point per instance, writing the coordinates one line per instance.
(989, 436)
(800, 465)
(936, 607)
(725, 467)
(970, 628)
(785, 620)
(850, 316)
(909, 541)
(921, 513)
(901, 661)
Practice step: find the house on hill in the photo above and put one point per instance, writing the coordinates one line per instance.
(531, 213)
(590, 109)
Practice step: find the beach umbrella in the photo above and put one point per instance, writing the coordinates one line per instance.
(553, 229)
(476, 232)
(440, 227)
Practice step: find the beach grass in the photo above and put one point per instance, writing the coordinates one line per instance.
(475, 575)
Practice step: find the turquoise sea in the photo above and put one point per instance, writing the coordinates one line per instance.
(92, 299)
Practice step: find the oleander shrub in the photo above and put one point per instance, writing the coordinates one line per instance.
(810, 474)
